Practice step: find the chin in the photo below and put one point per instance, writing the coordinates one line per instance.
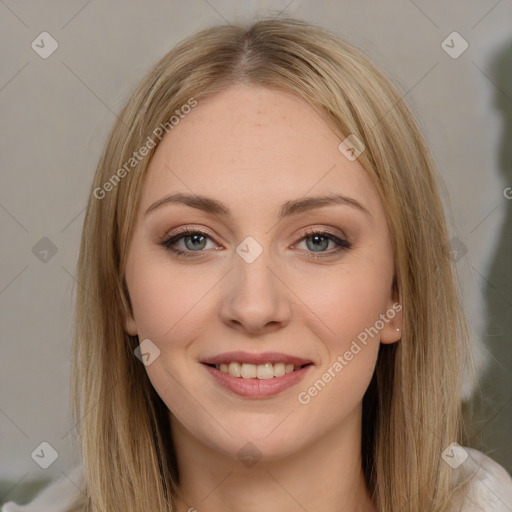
(262, 442)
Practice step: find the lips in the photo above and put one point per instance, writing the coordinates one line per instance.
(248, 380)
(256, 359)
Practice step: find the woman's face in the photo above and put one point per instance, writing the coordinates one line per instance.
(248, 166)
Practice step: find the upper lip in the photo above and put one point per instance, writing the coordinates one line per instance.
(262, 358)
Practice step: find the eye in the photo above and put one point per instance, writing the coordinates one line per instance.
(195, 241)
(320, 240)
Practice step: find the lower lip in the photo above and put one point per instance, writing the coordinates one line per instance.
(257, 388)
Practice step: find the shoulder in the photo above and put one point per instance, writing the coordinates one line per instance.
(61, 495)
(490, 487)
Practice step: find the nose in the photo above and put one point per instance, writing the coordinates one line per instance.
(255, 298)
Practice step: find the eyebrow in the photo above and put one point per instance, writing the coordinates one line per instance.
(288, 208)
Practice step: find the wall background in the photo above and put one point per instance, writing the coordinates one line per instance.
(57, 112)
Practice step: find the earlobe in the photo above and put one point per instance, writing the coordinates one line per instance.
(388, 336)
(130, 326)
(392, 331)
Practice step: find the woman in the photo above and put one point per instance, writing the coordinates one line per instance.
(224, 359)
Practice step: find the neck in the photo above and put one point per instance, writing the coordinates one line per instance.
(326, 475)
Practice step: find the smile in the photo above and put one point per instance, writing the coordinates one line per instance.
(249, 385)
(252, 371)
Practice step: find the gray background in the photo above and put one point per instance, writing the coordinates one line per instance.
(56, 114)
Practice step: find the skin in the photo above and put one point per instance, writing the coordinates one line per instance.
(253, 148)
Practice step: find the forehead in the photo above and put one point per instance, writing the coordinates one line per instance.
(254, 147)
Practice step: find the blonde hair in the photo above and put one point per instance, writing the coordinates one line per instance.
(411, 410)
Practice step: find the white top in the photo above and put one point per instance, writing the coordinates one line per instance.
(490, 491)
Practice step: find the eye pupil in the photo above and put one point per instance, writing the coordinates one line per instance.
(316, 239)
(195, 239)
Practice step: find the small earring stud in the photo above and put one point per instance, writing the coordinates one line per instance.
(398, 329)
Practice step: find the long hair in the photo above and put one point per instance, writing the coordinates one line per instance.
(411, 410)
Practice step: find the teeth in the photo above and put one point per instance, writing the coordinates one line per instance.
(249, 371)
(234, 369)
(265, 371)
(279, 369)
(256, 371)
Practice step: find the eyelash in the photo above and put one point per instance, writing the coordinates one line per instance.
(168, 242)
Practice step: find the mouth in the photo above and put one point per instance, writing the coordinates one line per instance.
(263, 371)
(256, 375)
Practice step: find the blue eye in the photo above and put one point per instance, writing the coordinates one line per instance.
(195, 241)
(321, 239)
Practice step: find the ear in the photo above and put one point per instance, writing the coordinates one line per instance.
(130, 326)
(393, 320)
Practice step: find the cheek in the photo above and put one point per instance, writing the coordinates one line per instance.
(343, 311)
(341, 305)
(168, 308)
(166, 301)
